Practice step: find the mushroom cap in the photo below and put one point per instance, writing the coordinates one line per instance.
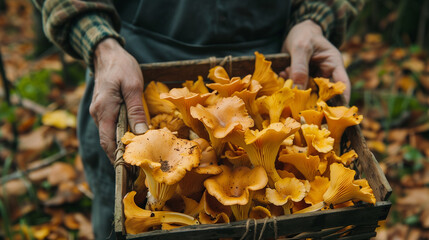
(287, 189)
(312, 116)
(172, 123)
(197, 86)
(318, 187)
(275, 132)
(237, 156)
(218, 74)
(259, 212)
(317, 139)
(183, 99)
(227, 89)
(308, 165)
(154, 102)
(299, 102)
(213, 207)
(168, 164)
(222, 118)
(342, 187)
(263, 73)
(232, 186)
(127, 138)
(329, 89)
(276, 103)
(208, 162)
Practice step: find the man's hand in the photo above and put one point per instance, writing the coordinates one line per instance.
(305, 43)
(118, 78)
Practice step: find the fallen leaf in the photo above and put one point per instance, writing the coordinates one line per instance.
(61, 172)
(41, 231)
(85, 227)
(13, 188)
(67, 193)
(424, 218)
(378, 146)
(70, 221)
(416, 197)
(60, 119)
(398, 135)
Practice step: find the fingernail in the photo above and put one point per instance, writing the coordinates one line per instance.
(140, 128)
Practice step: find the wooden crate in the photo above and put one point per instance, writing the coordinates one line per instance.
(356, 222)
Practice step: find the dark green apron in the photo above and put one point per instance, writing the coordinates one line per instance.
(171, 30)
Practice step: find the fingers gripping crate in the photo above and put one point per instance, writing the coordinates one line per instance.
(356, 222)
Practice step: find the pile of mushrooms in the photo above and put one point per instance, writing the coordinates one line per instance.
(240, 148)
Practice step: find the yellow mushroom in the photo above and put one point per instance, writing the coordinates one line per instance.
(183, 99)
(173, 123)
(218, 74)
(318, 187)
(197, 86)
(249, 96)
(164, 166)
(299, 102)
(237, 156)
(308, 165)
(318, 140)
(192, 183)
(234, 187)
(222, 118)
(276, 103)
(343, 187)
(312, 116)
(213, 211)
(263, 73)
(338, 119)
(263, 146)
(155, 104)
(227, 89)
(139, 220)
(329, 89)
(259, 212)
(287, 189)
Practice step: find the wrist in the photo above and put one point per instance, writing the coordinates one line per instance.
(104, 48)
(310, 26)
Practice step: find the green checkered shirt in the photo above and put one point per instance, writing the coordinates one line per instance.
(78, 26)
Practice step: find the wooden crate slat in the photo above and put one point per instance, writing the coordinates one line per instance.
(286, 225)
(120, 173)
(369, 165)
(179, 71)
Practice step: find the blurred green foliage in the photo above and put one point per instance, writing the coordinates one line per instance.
(35, 86)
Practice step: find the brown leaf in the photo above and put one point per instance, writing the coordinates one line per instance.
(415, 197)
(394, 149)
(424, 80)
(41, 231)
(414, 64)
(61, 172)
(70, 221)
(85, 227)
(40, 174)
(42, 194)
(369, 134)
(370, 124)
(398, 135)
(67, 193)
(12, 188)
(424, 218)
(414, 234)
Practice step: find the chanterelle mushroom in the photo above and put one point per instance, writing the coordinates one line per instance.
(164, 166)
(233, 187)
(139, 220)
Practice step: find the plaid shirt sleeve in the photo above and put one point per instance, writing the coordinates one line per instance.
(78, 26)
(333, 16)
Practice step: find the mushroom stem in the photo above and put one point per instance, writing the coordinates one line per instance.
(287, 207)
(163, 190)
(241, 212)
(312, 208)
(140, 220)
